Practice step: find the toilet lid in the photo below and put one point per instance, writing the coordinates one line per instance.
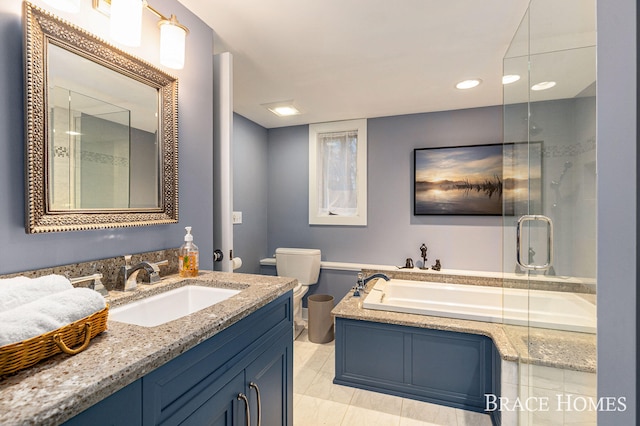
(298, 287)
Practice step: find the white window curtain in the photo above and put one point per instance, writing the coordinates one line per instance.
(338, 173)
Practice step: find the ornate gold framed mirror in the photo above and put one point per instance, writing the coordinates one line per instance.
(101, 132)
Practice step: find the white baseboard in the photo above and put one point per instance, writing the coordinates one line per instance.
(305, 314)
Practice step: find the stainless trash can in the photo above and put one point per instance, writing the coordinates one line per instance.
(320, 320)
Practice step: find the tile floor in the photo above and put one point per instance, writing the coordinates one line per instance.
(317, 401)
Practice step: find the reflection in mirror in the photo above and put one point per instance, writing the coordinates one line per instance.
(101, 132)
(103, 137)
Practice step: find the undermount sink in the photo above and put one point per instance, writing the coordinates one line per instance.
(171, 305)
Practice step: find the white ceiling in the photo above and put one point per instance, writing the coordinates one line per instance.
(344, 59)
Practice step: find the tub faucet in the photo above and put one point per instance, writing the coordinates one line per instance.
(423, 254)
(362, 282)
(130, 273)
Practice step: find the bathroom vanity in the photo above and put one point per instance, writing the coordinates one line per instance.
(223, 364)
(252, 358)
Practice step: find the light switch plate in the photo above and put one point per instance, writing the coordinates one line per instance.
(236, 217)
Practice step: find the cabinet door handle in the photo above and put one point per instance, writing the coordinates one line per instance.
(255, 386)
(243, 397)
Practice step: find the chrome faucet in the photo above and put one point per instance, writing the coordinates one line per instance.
(130, 273)
(362, 282)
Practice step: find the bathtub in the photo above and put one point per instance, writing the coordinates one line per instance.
(536, 308)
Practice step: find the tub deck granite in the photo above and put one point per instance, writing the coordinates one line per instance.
(551, 348)
(61, 387)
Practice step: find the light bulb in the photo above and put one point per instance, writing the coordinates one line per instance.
(126, 22)
(468, 84)
(511, 78)
(543, 85)
(172, 43)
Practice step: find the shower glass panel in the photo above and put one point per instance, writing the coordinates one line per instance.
(549, 222)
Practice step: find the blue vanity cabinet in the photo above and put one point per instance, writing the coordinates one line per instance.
(253, 357)
(442, 367)
(121, 408)
(205, 381)
(222, 409)
(271, 376)
(266, 386)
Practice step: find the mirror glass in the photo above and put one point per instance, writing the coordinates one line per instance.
(101, 132)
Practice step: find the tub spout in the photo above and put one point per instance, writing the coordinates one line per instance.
(362, 282)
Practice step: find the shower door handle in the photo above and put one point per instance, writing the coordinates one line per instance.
(549, 223)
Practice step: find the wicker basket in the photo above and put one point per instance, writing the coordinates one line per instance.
(18, 356)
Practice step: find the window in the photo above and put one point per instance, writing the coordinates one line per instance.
(338, 173)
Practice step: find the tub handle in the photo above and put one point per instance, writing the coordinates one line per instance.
(549, 223)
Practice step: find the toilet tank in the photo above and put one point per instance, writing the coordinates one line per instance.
(302, 264)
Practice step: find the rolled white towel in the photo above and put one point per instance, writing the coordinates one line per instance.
(48, 313)
(20, 290)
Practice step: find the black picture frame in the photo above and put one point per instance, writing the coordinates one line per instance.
(478, 180)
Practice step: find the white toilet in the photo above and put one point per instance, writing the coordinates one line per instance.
(304, 265)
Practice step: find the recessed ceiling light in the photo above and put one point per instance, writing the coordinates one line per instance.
(284, 111)
(510, 78)
(543, 85)
(282, 108)
(468, 84)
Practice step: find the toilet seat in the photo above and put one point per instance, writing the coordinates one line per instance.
(298, 322)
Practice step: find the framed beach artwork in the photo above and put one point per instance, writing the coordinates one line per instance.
(491, 179)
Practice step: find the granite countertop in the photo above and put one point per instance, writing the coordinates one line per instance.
(61, 387)
(552, 348)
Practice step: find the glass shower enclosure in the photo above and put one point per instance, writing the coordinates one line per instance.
(549, 217)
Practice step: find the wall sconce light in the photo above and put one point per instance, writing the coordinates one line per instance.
(125, 23)
(72, 6)
(173, 37)
(126, 28)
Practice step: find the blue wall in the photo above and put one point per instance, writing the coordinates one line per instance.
(617, 104)
(250, 192)
(23, 252)
(393, 233)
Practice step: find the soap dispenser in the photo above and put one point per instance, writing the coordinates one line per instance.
(188, 256)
